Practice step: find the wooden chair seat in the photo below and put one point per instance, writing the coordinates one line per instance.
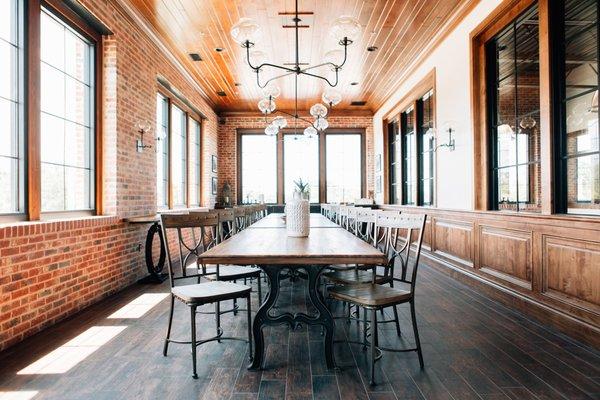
(209, 292)
(230, 272)
(353, 277)
(370, 295)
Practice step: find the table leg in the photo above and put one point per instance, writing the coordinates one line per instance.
(263, 316)
(324, 318)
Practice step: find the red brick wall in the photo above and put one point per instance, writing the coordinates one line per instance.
(49, 270)
(228, 147)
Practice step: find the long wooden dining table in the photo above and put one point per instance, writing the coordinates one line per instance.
(266, 245)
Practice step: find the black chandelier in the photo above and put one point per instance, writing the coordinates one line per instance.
(247, 32)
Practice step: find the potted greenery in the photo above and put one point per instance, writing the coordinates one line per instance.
(302, 190)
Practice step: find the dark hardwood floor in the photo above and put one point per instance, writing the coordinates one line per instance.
(474, 348)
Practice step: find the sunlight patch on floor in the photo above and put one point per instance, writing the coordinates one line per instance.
(73, 352)
(18, 395)
(139, 306)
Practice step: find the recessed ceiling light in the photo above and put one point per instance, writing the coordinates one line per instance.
(195, 57)
(354, 83)
(237, 84)
(221, 93)
(372, 48)
(219, 49)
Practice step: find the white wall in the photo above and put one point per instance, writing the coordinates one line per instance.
(451, 60)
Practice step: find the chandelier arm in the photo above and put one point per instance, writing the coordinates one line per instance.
(297, 117)
(271, 79)
(323, 78)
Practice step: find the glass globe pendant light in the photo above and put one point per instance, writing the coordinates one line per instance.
(310, 132)
(246, 32)
(280, 122)
(266, 106)
(345, 29)
(257, 58)
(318, 110)
(331, 97)
(335, 57)
(321, 124)
(271, 130)
(271, 91)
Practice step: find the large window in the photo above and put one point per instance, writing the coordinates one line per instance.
(426, 146)
(258, 168)
(178, 152)
(411, 147)
(11, 127)
(178, 157)
(194, 188)
(514, 108)
(343, 167)
(162, 151)
(579, 143)
(301, 162)
(409, 156)
(395, 157)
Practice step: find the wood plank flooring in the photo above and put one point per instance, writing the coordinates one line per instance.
(474, 348)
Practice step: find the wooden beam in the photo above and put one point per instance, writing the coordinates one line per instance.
(33, 89)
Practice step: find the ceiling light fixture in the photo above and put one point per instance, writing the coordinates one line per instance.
(247, 32)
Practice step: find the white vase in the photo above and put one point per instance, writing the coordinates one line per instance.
(297, 218)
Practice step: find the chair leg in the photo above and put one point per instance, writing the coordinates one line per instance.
(373, 343)
(169, 327)
(234, 303)
(193, 310)
(259, 288)
(397, 320)
(249, 308)
(364, 330)
(416, 331)
(218, 318)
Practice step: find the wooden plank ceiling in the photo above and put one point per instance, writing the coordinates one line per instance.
(400, 29)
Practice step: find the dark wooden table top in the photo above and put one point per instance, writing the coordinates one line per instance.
(275, 220)
(271, 246)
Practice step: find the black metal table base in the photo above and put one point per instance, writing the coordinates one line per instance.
(263, 317)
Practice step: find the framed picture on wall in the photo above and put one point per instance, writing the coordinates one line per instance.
(378, 163)
(378, 184)
(214, 184)
(214, 163)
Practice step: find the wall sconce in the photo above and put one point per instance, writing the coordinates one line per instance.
(451, 144)
(142, 127)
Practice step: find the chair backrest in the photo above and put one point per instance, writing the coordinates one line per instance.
(342, 215)
(240, 217)
(227, 224)
(333, 211)
(395, 236)
(364, 224)
(208, 225)
(351, 218)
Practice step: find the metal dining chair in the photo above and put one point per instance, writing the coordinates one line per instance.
(197, 294)
(375, 297)
(230, 273)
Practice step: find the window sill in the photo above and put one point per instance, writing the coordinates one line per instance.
(61, 219)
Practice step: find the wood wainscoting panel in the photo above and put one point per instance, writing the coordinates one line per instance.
(506, 254)
(428, 234)
(571, 271)
(453, 239)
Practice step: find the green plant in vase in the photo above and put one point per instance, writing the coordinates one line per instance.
(302, 190)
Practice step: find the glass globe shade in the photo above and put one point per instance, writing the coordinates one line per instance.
(143, 126)
(271, 130)
(321, 124)
(280, 122)
(318, 110)
(266, 106)
(257, 58)
(331, 97)
(246, 29)
(346, 26)
(310, 132)
(271, 90)
(334, 56)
